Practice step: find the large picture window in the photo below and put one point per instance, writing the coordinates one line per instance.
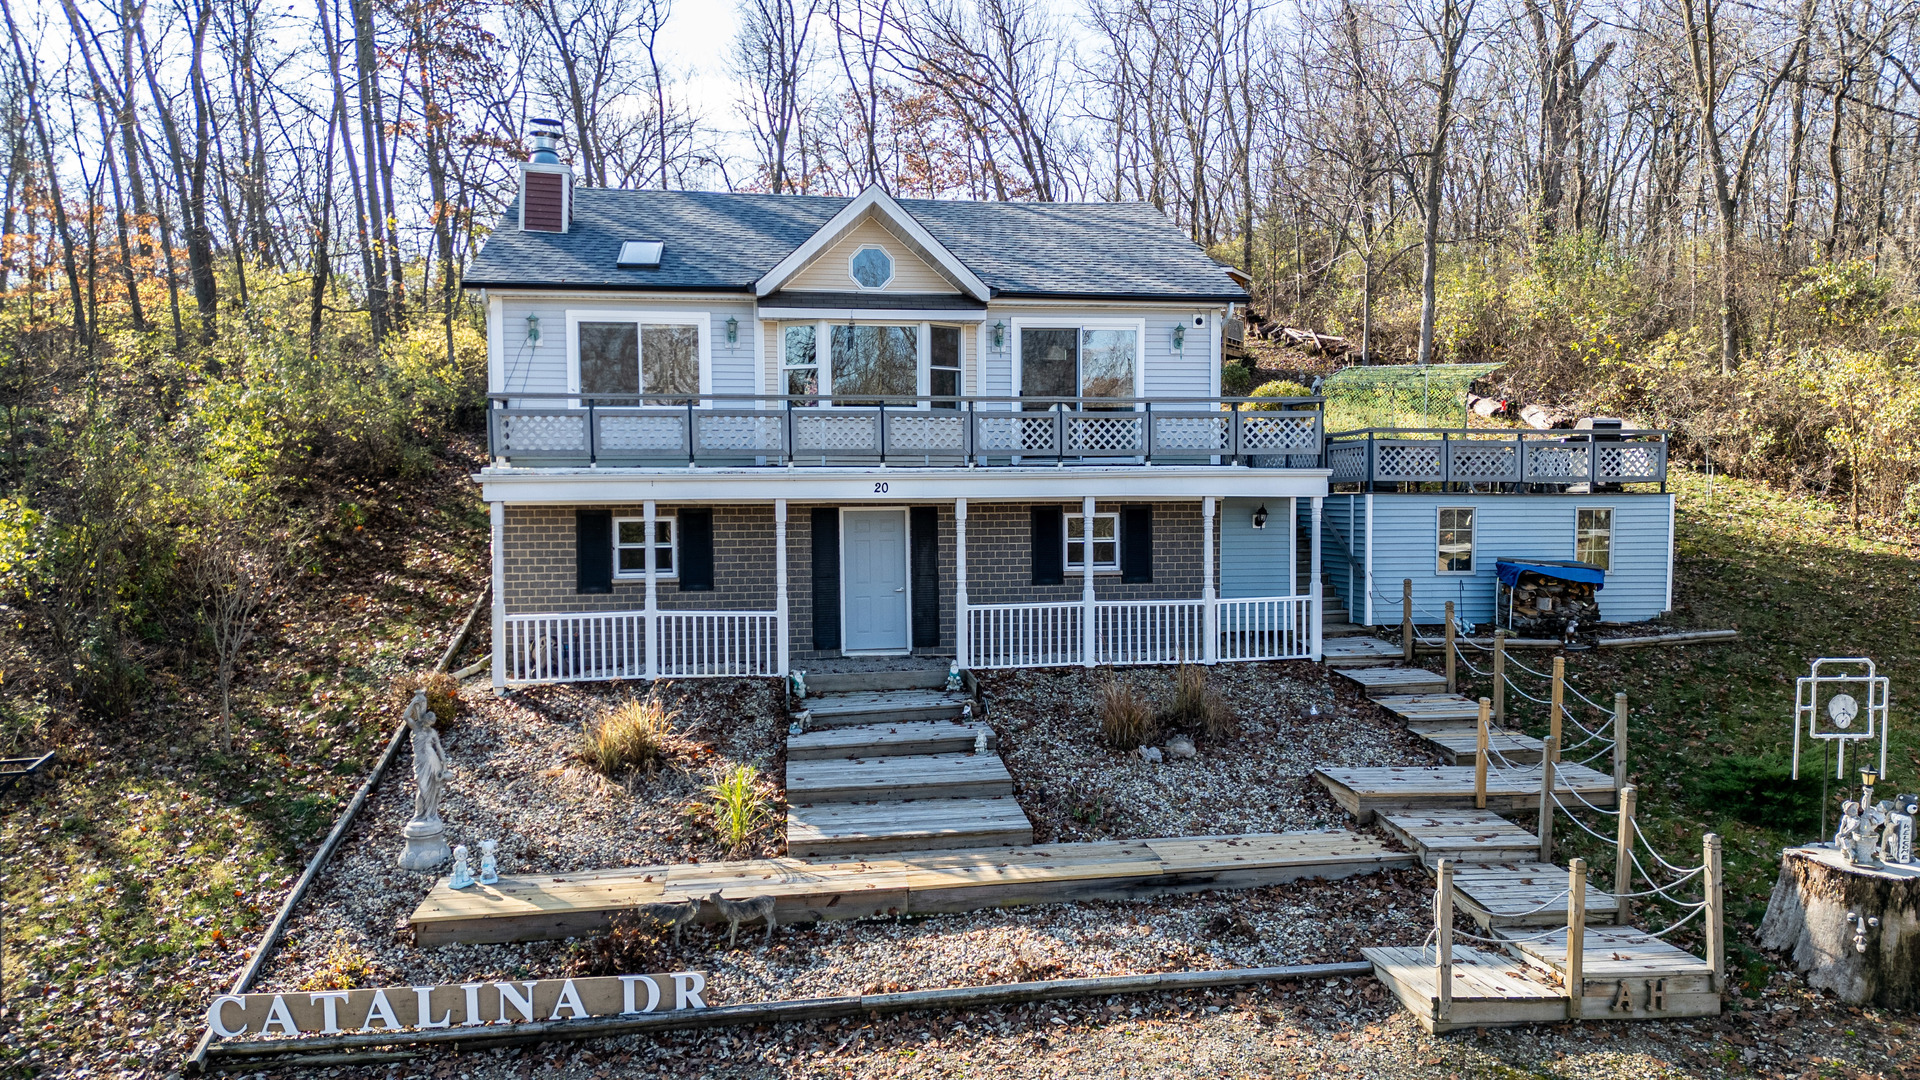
(630, 547)
(1593, 536)
(868, 361)
(617, 360)
(1106, 542)
(1454, 545)
(1078, 362)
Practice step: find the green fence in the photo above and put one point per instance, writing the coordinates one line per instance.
(1400, 395)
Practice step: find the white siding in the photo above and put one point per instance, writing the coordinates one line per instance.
(527, 367)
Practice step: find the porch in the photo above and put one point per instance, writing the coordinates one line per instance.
(1480, 460)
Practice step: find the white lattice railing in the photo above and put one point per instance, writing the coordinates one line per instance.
(595, 646)
(1479, 456)
(1139, 632)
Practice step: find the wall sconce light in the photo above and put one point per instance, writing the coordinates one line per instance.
(733, 330)
(999, 335)
(1180, 338)
(533, 329)
(1260, 518)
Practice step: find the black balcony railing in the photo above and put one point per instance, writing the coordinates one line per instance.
(750, 429)
(1479, 459)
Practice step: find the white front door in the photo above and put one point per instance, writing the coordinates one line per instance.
(874, 579)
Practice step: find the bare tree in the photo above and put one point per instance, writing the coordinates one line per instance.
(774, 53)
(238, 571)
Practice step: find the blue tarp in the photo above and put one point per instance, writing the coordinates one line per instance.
(1565, 570)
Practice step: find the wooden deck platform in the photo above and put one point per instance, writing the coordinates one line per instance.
(1363, 791)
(1358, 651)
(1458, 745)
(833, 829)
(544, 907)
(1489, 989)
(916, 776)
(1523, 893)
(1614, 955)
(1431, 708)
(1394, 680)
(1475, 835)
(884, 740)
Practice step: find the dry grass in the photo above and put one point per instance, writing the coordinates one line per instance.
(636, 734)
(1197, 708)
(1126, 721)
(443, 695)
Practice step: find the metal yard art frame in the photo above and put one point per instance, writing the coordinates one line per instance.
(1847, 718)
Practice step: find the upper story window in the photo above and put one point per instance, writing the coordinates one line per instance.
(617, 359)
(1454, 543)
(1091, 361)
(943, 372)
(853, 364)
(1593, 536)
(871, 267)
(876, 360)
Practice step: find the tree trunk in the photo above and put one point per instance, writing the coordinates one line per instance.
(1807, 918)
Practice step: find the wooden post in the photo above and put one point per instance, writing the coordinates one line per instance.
(1548, 757)
(1316, 593)
(1453, 686)
(1559, 702)
(1623, 857)
(1480, 759)
(1500, 677)
(961, 619)
(1576, 938)
(1406, 620)
(1619, 741)
(1716, 914)
(1443, 933)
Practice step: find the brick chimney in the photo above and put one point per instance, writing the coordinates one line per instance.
(546, 183)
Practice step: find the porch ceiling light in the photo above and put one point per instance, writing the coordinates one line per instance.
(1260, 518)
(733, 330)
(533, 329)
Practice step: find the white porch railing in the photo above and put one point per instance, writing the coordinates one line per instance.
(1139, 632)
(594, 646)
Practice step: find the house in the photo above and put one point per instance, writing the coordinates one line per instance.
(731, 434)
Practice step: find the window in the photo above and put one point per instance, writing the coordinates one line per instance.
(1593, 536)
(1106, 542)
(944, 367)
(630, 547)
(871, 268)
(610, 360)
(620, 359)
(800, 358)
(873, 360)
(1106, 363)
(1455, 541)
(1078, 361)
(1049, 363)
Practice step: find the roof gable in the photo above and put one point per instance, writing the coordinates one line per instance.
(874, 204)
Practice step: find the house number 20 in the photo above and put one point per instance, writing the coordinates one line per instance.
(880, 489)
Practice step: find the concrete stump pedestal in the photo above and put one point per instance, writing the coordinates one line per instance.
(1854, 930)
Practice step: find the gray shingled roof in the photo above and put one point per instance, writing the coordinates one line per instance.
(720, 241)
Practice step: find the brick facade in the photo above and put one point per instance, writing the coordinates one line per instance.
(539, 564)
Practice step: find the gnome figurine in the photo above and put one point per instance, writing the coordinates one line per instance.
(462, 874)
(489, 866)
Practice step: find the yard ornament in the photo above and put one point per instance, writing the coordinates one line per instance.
(462, 874)
(489, 865)
(425, 835)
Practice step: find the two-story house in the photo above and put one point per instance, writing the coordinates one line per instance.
(732, 433)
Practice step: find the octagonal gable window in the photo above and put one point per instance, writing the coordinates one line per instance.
(872, 268)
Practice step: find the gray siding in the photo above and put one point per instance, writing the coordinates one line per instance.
(1253, 562)
(1188, 373)
(1506, 526)
(529, 367)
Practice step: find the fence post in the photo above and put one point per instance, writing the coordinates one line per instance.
(1548, 756)
(1716, 913)
(1480, 760)
(1452, 677)
(1623, 857)
(1619, 741)
(1500, 677)
(1559, 700)
(1406, 620)
(1443, 928)
(1576, 937)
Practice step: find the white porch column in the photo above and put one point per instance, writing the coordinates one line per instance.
(1293, 545)
(499, 514)
(653, 599)
(1089, 635)
(1209, 605)
(1317, 595)
(960, 650)
(781, 619)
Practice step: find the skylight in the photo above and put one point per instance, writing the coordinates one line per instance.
(640, 254)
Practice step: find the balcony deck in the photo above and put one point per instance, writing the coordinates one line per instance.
(1482, 460)
(749, 430)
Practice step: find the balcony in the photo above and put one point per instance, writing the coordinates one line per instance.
(745, 430)
(1498, 461)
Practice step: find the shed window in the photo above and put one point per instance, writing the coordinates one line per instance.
(1593, 536)
(630, 547)
(1455, 542)
(1106, 542)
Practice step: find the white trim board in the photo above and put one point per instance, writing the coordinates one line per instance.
(571, 486)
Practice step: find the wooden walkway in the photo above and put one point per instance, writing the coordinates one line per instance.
(1479, 835)
(837, 829)
(1523, 893)
(1365, 791)
(1489, 988)
(537, 908)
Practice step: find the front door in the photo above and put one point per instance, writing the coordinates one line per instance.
(875, 575)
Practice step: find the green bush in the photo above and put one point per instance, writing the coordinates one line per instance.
(1278, 388)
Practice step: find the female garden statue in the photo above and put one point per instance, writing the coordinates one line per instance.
(425, 835)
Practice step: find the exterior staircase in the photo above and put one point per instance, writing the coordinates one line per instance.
(888, 762)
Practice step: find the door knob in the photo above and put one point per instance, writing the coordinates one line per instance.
(902, 588)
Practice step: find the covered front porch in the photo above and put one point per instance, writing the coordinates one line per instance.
(1083, 570)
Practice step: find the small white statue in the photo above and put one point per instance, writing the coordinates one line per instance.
(1180, 747)
(1149, 754)
(489, 866)
(954, 683)
(980, 741)
(462, 874)
(798, 679)
(1855, 837)
(966, 712)
(425, 835)
(1896, 841)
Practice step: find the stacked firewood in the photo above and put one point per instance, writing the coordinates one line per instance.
(1550, 605)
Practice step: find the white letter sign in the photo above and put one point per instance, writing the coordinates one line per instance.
(392, 1008)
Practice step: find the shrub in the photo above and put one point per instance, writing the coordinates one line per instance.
(1236, 378)
(630, 944)
(1278, 388)
(1126, 723)
(443, 694)
(739, 806)
(1197, 708)
(342, 968)
(631, 735)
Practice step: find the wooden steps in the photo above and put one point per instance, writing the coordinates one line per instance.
(873, 740)
(842, 682)
(1459, 746)
(1523, 893)
(832, 829)
(917, 776)
(1477, 835)
(1332, 627)
(873, 706)
(1616, 955)
(1359, 651)
(1363, 791)
(1393, 680)
(549, 906)
(1435, 708)
(1488, 989)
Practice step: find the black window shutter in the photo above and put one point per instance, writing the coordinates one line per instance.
(696, 550)
(826, 577)
(1049, 551)
(1136, 544)
(593, 551)
(923, 525)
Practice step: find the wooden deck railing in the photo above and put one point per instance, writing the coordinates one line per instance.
(1514, 460)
